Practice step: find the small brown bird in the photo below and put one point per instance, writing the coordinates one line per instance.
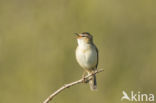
(87, 56)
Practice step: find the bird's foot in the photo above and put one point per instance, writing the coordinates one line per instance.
(85, 80)
(93, 72)
(83, 77)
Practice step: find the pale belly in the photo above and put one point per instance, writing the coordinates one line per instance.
(87, 58)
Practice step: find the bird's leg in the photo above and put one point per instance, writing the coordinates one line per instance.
(92, 72)
(83, 77)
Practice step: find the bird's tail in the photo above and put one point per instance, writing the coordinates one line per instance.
(92, 82)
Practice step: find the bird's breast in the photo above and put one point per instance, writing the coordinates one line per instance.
(86, 56)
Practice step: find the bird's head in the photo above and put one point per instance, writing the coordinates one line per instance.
(84, 37)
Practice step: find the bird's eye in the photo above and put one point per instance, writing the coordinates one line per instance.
(83, 36)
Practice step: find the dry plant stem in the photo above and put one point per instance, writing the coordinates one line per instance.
(69, 85)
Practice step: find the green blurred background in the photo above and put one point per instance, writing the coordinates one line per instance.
(37, 48)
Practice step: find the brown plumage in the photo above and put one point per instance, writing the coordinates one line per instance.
(87, 56)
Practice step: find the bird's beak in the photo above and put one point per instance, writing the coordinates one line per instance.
(77, 34)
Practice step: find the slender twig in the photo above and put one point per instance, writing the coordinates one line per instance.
(69, 85)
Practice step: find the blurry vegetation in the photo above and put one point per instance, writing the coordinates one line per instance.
(37, 48)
